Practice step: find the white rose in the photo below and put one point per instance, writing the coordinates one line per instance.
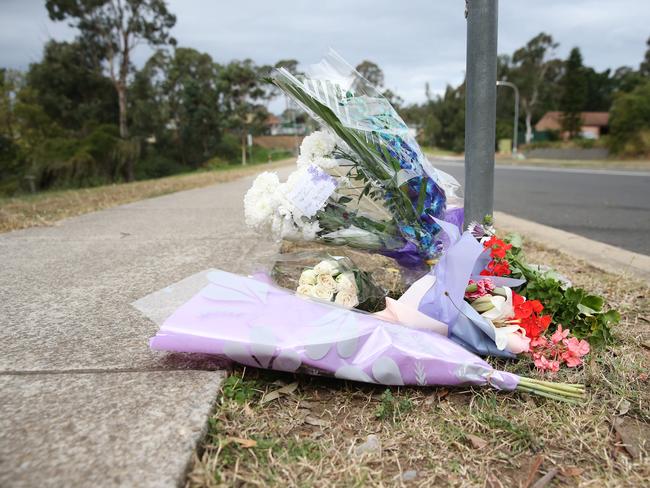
(346, 282)
(308, 277)
(305, 290)
(329, 266)
(326, 281)
(322, 292)
(347, 299)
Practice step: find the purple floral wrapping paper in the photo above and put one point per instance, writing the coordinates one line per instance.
(254, 323)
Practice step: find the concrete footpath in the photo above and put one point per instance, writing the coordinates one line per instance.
(83, 401)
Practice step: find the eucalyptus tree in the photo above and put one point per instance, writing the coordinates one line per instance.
(117, 27)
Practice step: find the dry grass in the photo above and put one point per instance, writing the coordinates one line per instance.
(439, 436)
(46, 208)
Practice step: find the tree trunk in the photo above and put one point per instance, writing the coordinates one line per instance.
(529, 127)
(243, 147)
(124, 130)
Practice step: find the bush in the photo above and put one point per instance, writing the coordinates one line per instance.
(229, 148)
(629, 122)
(155, 165)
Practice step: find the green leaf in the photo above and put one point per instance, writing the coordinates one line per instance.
(593, 302)
(515, 240)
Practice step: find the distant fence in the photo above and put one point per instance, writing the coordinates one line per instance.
(567, 153)
(288, 143)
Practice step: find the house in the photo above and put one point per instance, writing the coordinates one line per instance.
(284, 125)
(273, 124)
(594, 124)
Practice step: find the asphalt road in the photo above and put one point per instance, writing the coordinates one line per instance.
(607, 206)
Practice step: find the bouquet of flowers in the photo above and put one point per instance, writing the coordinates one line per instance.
(363, 181)
(333, 278)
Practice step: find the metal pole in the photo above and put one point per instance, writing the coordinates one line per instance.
(515, 130)
(480, 108)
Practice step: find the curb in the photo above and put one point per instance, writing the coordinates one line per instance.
(602, 256)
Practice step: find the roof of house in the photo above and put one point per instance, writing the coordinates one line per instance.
(553, 120)
(273, 120)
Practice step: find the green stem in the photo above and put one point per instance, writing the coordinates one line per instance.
(551, 389)
(546, 395)
(559, 386)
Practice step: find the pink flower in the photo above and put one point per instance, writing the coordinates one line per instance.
(549, 355)
(576, 347)
(559, 334)
(483, 287)
(539, 341)
(571, 360)
(554, 366)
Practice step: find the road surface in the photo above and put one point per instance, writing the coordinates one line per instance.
(607, 206)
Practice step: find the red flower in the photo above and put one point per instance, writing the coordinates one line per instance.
(498, 247)
(499, 266)
(495, 268)
(527, 312)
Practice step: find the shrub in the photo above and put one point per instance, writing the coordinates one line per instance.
(630, 122)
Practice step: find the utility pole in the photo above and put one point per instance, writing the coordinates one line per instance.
(515, 130)
(480, 108)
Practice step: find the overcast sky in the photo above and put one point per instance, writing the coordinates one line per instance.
(413, 41)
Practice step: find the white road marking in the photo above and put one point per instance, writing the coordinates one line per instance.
(547, 169)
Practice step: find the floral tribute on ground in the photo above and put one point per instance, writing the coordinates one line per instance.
(363, 182)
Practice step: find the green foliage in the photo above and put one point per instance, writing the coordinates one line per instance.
(69, 85)
(630, 122)
(574, 93)
(59, 161)
(371, 72)
(572, 307)
(240, 390)
(391, 408)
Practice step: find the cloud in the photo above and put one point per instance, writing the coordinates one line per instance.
(414, 42)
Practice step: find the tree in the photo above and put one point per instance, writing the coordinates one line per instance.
(629, 121)
(574, 93)
(71, 88)
(11, 82)
(291, 65)
(371, 72)
(192, 90)
(644, 68)
(242, 93)
(117, 27)
(532, 65)
(600, 87)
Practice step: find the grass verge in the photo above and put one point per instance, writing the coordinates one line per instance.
(46, 208)
(276, 429)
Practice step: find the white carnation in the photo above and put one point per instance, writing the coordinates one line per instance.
(321, 162)
(317, 145)
(326, 281)
(345, 282)
(309, 230)
(346, 299)
(261, 201)
(308, 277)
(329, 266)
